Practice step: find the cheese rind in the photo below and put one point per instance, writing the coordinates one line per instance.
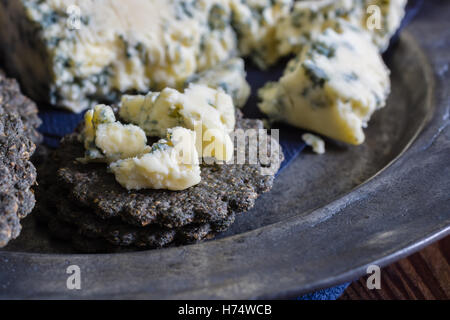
(332, 88)
(230, 76)
(171, 164)
(209, 112)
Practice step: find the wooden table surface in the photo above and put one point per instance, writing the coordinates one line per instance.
(423, 275)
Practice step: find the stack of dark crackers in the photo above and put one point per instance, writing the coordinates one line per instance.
(18, 135)
(84, 204)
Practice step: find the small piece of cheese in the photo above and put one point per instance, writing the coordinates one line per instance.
(308, 19)
(333, 87)
(392, 13)
(108, 140)
(209, 112)
(171, 164)
(230, 76)
(317, 144)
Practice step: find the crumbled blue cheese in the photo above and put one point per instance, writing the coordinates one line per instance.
(171, 164)
(333, 87)
(209, 112)
(111, 47)
(310, 18)
(108, 140)
(317, 144)
(230, 76)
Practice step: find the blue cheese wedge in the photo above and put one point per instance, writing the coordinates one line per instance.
(230, 76)
(172, 164)
(332, 88)
(315, 142)
(209, 112)
(255, 23)
(88, 51)
(108, 140)
(310, 18)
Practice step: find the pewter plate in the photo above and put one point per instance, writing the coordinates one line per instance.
(327, 218)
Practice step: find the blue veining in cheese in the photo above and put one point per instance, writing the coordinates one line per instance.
(107, 140)
(117, 48)
(332, 87)
(310, 18)
(209, 112)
